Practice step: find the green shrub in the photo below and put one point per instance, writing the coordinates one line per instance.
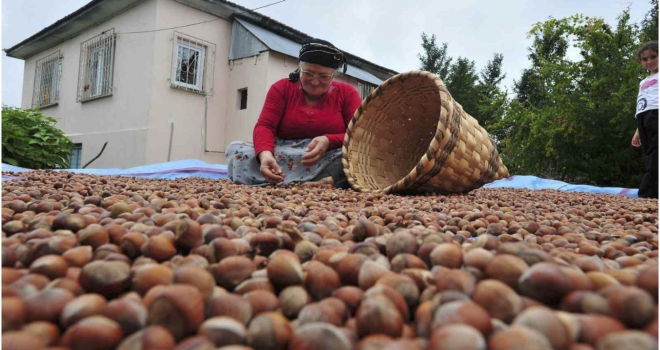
(31, 140)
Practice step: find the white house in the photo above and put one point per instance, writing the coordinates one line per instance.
(138, 75)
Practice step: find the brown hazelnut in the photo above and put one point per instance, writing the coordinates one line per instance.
(400, 243)
(83, 306)
(392, 295)
(94, 235)
(78, 256)
(116, 233)
(600, 280)
(14, 313)
(350, 295)
(152, 337)
(404, 285)
(593, 327)
(147, 276)
(455, 279)
(269, 331)
(463, 312)
(231, 271)
(506, 268)
(632, 306)
(158, 248)
(101, 331)
(647, 280)
(500, 300)
(407, 261)
(177, 307)
(47, 304)
(377, 314)
(197, 342)
(188, 233)
(478, 258)
(284, 269)
(265, 243)
(349, 268)
(223, 331)
(197, 277)
(108, 278)
(128, 312)
(320, 336)
(293, 299)
(374, 342)
(230, 305)
(321, 281)
(262, 301)
(519, 337)
(131, 244)
(456, 336)
(52, 266)
(318, 312)
(370, 273)
(547, 323)
(255, 283)
(629, 339)
(544, 282)
(20, 341)
(364, 229)
(447, 255)
(47, 332)
(10, 275)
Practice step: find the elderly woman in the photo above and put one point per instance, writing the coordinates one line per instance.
(301, 128)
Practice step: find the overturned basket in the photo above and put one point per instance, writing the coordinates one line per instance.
(410, 135)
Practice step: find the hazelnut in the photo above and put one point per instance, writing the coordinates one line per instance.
(463, 312)
(374, 342)
(319, 336)
(350, 295)
(52, 266)
(404, 285)
(101, 331)
(370, 273)
(83, 306)
(255, 283)
(377, 314)
(197, 342)
(108, 278)
(364, 229)
(600, 280)
(454, 279)
(498, 299)
(152, 337)
(131, 244)
(230, 305)
(629, 339)
(593, 327)
(348, 268)
(197, 277)
(265, 243)
(519, 337)
(447, 255)
(506, 268)
(128, 312)
(20, 341)
(47, 304)
(318, 312)
(478, 258)
(188, 233)
(269, 331)
(424, 319)
(158, 248)
(632, 306)
(94, 235)
(392, 295)
(585, 302)
(544, 282)
(293, 299)
(647, 280)
(456, 336)
(223, 331)
(147, 276)
(407, 261)
(78, 256)
(284, 269)
(47, 332)
(14, 313)
(401, 242)
(321, 281)
(547, 323)
(231, 271)
(177, 307)
(262, 301)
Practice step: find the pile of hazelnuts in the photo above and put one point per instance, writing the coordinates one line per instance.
(98, 262)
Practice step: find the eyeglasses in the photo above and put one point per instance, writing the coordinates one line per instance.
(321, 77)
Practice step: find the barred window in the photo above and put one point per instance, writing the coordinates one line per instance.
(47, 75)
(192, 64)
(97, 61)
(76, 155)
(365, 89)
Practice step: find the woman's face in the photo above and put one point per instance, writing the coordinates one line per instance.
(649, 60)
(315, 79)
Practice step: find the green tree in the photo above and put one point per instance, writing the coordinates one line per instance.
(574, 119)
(462, 84)
(435, 59)
(31, 140)
(650, 23)
(492, 101)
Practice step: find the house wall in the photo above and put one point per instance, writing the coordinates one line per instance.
(184, 108)
(120, 119)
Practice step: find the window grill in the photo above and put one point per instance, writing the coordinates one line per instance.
(192, 64)
(97, 61)
(47, 75)
(76, 155)
(365, 89)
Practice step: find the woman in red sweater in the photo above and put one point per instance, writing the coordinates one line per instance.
(301, 127)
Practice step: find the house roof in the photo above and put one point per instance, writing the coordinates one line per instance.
(291, 48)
(99, 11)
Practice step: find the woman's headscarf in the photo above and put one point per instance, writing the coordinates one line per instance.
(319, 52)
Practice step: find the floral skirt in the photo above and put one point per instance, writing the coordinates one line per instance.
(243, 166)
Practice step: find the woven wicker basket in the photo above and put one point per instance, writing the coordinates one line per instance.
(410, 135)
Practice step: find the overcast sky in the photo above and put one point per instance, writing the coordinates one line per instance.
(386, 32)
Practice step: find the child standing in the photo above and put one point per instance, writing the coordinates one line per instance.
(647, 119)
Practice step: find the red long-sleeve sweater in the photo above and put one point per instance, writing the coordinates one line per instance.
(286, 115)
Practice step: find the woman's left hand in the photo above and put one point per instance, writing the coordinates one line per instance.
(315, 151)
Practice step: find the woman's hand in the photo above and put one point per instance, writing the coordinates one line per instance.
(636, 142)
(269, 168)
(315, 150)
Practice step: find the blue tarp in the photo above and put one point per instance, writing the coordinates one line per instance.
(195, 167)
